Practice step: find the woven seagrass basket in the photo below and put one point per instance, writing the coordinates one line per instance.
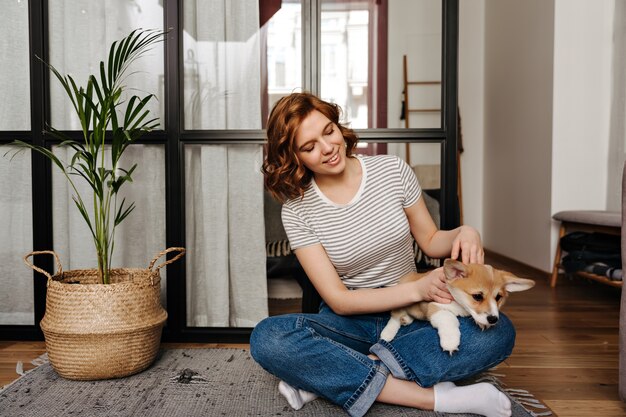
(96, 331)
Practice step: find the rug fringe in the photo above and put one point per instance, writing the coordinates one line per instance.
(523, 397)
(41, 360)
(19, 368)
(38, 361)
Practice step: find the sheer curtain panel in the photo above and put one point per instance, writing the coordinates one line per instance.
(14, 73)
(80, 34)
(16, 280)
(226, 279)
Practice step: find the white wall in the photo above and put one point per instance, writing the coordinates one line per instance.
(617, 123)
(543, 126)
(582, 97)
(518, 129)
(471, 108)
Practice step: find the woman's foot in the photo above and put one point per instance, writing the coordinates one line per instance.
(482, 398)
(295, 397)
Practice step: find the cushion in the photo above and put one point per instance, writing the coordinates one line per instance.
(595, 217)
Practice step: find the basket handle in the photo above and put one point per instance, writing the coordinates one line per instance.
(56, 258)
(166, 251)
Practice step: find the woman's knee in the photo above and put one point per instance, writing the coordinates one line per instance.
(505, 334)
(268, 338)
(499, 338)
(261, 337)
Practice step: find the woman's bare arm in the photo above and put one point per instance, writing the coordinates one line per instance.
(341, 300)
(463, 241)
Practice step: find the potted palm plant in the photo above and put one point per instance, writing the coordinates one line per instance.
(110, 324)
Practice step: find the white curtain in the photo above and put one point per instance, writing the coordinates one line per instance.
(14, 73)
(80, 35)
(617, 129)
(226, 283)
(222, 64)
(226, 280)
(16, 280)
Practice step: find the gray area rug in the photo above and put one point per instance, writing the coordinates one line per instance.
(181, 383)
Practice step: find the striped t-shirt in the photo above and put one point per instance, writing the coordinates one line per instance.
(368, 240)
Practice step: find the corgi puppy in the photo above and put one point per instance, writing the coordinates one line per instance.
(478, 290)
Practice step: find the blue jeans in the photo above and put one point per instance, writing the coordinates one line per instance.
(326, 354)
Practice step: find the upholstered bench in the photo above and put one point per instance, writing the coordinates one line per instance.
(585, 220)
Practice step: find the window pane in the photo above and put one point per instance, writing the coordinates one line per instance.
(226, 278)
(138, 238)
(345, 57)
(80, 35)
(424, 158)
(239, 58)
(14, 71)
(16, 280)
(284, 51)
(362, 61)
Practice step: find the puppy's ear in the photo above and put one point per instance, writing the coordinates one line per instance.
(515, 284)
(454, 269)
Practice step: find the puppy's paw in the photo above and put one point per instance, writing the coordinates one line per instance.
(388, 334)
(391, 329)
(406, 320)
(450, 340)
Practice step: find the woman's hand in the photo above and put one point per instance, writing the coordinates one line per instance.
(468, 244)
(432, 287)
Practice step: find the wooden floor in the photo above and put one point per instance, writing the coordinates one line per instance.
(566, 352)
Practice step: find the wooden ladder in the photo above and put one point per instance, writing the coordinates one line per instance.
(407, 84)
(407, 108)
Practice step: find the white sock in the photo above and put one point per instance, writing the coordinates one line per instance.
(482, 398)
(295, 397)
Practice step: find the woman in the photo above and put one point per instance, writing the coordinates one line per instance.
(351, 222)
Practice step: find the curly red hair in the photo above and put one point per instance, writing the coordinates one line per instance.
(286, 177)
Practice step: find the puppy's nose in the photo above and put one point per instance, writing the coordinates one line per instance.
(492, 319)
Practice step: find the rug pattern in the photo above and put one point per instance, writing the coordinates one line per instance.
(181, 383)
